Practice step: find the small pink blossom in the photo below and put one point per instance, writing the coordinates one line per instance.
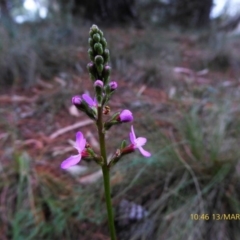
(138, 143)
(80, 146)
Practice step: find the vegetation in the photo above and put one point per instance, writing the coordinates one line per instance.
(187, 91)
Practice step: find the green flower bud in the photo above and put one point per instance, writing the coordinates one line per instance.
(106, 55)
(91, 42)
(99, 60)
(98, 48)
(106, 74)
(94, 29)
(90, 54)
(107, 89)
(100, 68)
(101, 33)
(93, 78)
(98, 84)
(81, 105)
(96, 37)
(103, 42)
(91, 114)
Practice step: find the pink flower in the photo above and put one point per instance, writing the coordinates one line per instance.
(138, 143)
(80, 146)
(91, 102)
(125, 116)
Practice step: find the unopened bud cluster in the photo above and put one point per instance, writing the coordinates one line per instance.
(99, 55)
(98, 68)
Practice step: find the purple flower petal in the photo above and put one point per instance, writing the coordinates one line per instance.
(133, 133)
(144, 152)
(140, 141)
(80, 142)
(71, 161)
(88, 100)
(132, 139)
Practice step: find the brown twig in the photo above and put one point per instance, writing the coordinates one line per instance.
(69, 128)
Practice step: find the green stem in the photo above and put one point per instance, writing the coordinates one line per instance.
(106, 175)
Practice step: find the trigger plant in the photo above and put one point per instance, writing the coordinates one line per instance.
(96, 107)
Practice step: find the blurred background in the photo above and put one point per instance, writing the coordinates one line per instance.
(177, 64)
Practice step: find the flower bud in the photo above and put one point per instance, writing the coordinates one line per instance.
(90, 54)
(100, 32)
(98, 88)
(76, 100)
(125, 116)
(96, 37)
(100, 68)
(99, 60)
(106, 55)
(110, 88)
(91, 42)
(113, 85)
(118, 118)
(99, 84)
(106, 74)
(103, 42)
(93, 78)
(82, 106)
(91, 68)
(98, 48)
(94, 29)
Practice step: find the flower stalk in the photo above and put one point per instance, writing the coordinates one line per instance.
(106, 174)
(96, 108)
